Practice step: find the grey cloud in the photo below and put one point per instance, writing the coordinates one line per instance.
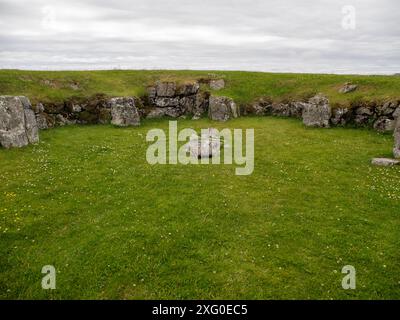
(284, 35)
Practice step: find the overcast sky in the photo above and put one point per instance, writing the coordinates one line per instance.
(261, 35)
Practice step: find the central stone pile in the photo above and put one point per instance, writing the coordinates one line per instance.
(206, 146)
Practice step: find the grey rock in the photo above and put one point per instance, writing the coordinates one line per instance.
(396, 113)
(296, 109)
(348, 87)
(124, 111)
(188, 89)
(41, 120)
(156, 113)
(53, 107)
(201, 104)
(61, 120)
(163, 102)
(362, 119)
(104, 116)
(151, 92)
(385, 162)
(31, 127)
(222, 108)
(364, 111)
(206, 146)
(396, 148)
(280, 109)
(172, 112)
(385, 109)
(339, 116)
(38, 108)
(18, 125)
(317, 112)
(165, 89)
(188, 104)
(384, 124)
(75, 108)
(260, 107)
(217, 84)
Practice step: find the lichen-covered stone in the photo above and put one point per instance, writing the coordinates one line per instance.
(384, 124)
(396, 149)
(317, 112)
(222, 108)
(124, 111)
(18, 126)
(385, 162)
(165, 89)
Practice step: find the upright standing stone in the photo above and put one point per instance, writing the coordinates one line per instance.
(18, 125)
(317, 112)
(124, 112)
(222, 108)
(396, 149)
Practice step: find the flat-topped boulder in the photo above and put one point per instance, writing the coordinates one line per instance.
(124, 111)
(222, 108)
(204, 146)
(385, 162)
(317, 112)
(18, 126)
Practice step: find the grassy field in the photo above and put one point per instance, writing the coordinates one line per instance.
(86, 201)
(46, 86)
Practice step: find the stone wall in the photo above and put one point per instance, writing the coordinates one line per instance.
(98, 109)
(380, 116)
(172, 100)
(19, 121)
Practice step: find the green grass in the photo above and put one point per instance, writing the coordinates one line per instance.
(86, 201)
(244, 87)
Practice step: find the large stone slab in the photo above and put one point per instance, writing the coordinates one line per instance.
(204, 146)
(385, 162)
(18, 126)
(317, 112)
(222, 108)
(124, 111)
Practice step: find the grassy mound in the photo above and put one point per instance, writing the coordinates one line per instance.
(86, 201)
(45, 86)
